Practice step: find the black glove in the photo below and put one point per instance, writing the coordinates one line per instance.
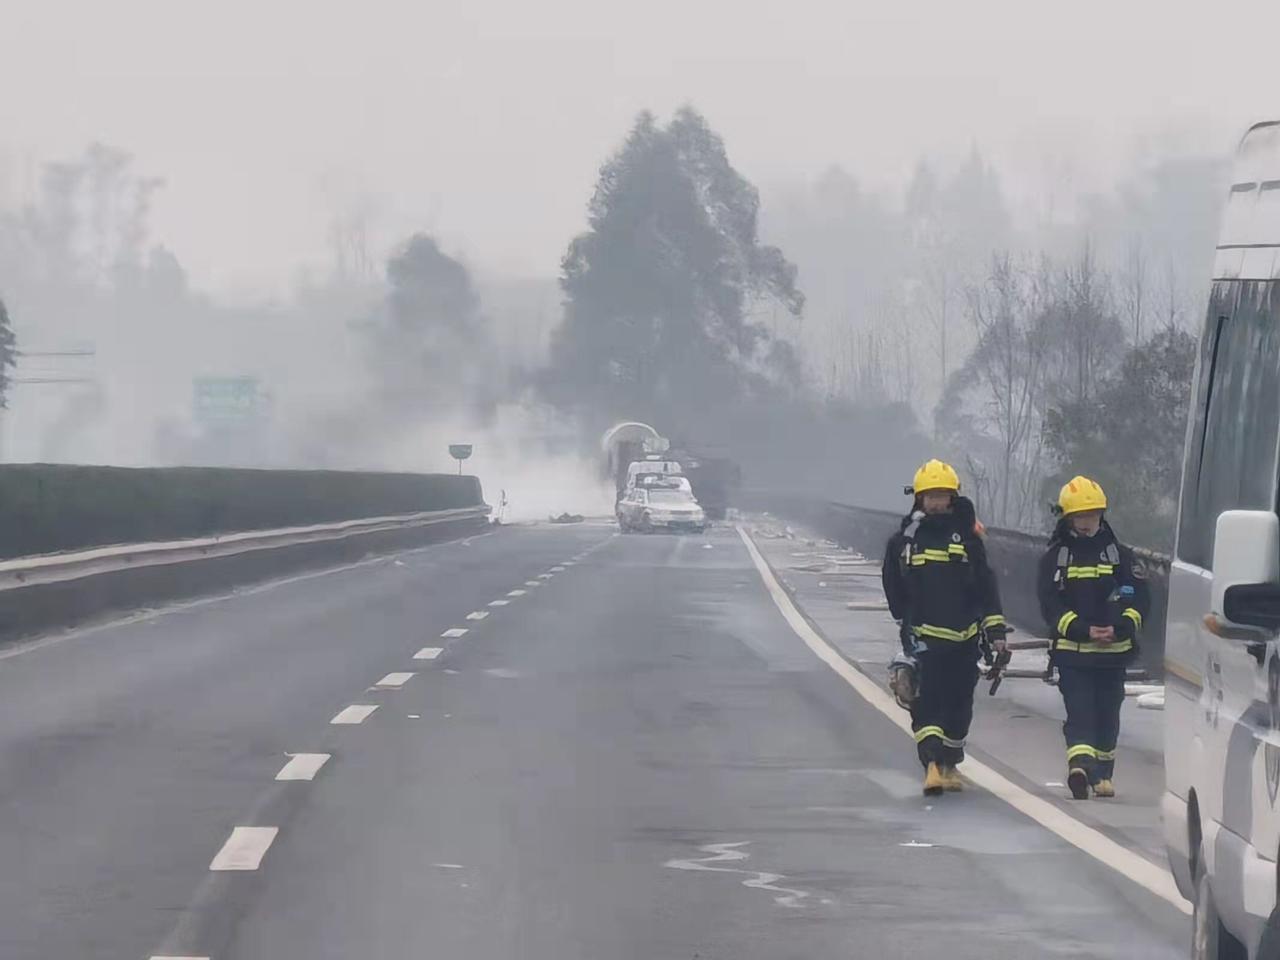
(906, 638)
(1124, 628)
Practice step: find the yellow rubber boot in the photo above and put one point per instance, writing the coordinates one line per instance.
(934, 783)
(1104, 788)
(952, 782)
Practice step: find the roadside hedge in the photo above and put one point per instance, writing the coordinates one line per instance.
(50, 508)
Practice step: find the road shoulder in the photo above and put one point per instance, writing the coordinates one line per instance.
(1016, 742)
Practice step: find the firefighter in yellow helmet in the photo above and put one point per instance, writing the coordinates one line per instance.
(943, 593)
(1093, 598)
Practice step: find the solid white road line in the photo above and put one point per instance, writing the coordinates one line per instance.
(478, 615)
(428, 653)
(356, 713)
(516, 593)
(453, 633)
(1102, 848)
(302, 766)
(245, 848)
(394, 681)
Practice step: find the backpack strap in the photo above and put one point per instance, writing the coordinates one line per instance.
(909, 542)
(911, 529)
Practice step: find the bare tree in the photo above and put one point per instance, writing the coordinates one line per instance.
(106, 169)
(349, 240)
(897, 348)
(982, 488)
(1134, 285)
(864, 378)
(1172, 299)
(938, 292)
(1080, 328)
(994, 404)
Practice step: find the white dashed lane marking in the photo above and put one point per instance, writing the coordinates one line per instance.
(544, 576)
(557, 569)
(356, 713)
(533, 583)
(178, 958)
(428, 653)
(453, 633)
(478, 615)
(394, 681)
(516, 593)
(302, 766)
(245, 848)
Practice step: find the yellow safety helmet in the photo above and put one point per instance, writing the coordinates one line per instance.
(1080, 494)
(935, 475)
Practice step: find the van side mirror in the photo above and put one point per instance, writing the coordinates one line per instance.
(1246, 554)
(1253, 605)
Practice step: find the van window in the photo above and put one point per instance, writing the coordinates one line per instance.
(1231, 458)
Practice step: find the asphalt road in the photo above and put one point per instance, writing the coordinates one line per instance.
(636, 759)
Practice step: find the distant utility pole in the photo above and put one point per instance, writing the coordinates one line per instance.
(56, 354)
(54, 379)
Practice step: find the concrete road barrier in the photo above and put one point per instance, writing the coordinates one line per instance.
(62, 590)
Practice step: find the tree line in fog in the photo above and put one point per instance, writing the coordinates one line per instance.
(827, 336)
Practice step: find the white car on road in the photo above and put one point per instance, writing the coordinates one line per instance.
(660, 507)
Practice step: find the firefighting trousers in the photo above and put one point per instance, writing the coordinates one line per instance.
(941, 714)
(1093, 697)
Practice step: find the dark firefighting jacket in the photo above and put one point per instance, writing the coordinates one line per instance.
(937, 580)
(1080, 583)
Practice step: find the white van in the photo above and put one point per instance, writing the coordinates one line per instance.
(650, 466)
(1222, 677)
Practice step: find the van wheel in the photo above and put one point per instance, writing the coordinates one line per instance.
(1209, 938)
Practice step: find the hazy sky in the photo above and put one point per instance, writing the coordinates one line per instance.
(486, 120)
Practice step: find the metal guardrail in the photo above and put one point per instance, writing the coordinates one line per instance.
(1012, 553)
(1030, 539)
(61, 567)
